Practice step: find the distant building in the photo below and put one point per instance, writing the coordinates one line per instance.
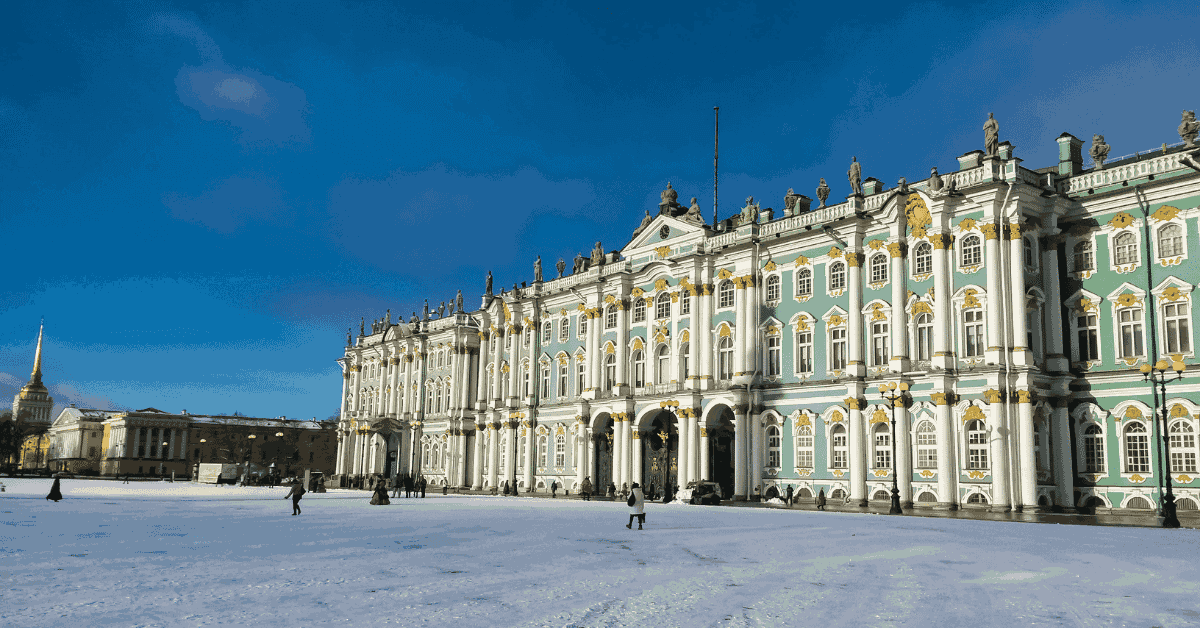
(153, 442)
(31, 406)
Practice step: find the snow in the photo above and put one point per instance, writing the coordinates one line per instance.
(179, 554)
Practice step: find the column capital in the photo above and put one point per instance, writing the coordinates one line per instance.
(942, 398)
(990, 232)
(897, 249)
(854, 403)
(854, 259)
(1014, 231)
(940, 241)
(1025, 396)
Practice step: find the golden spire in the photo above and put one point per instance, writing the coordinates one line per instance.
(36, 377)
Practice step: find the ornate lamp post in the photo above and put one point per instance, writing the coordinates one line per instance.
(279, 435)
(1157, 375)
(250, 454)
(894, 392)
(160, 460)
(202, 441)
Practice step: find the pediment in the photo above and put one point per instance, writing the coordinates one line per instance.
(663, 237)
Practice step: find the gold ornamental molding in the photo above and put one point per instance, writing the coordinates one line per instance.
(1165, 213)
(974, 413)
(990, 232)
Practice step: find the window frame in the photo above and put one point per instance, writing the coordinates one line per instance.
(804, 282)
(922, 256)
(1143, 464)
(879, 271)
(836, 278)
(725, 359)
(926, 452)
(805, 447)
(975, 437)
(970, 251)
(882, 450)
(639, 310)
(774, 284)
(725, 292)
(662, 307)
(839, 447)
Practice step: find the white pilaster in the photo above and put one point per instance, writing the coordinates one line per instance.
(1020, 355)
(1028, 467)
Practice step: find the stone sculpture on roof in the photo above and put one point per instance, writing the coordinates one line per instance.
(537, 269)
(1099, 151)
(458, 301)
(488, 288)
(935, 181)
(578, 265)
(991, 137)
(693, 214)
(1189, 128)
(642, 227)
(854, 174)
(597, 255)
(560, 265)
(822, 192)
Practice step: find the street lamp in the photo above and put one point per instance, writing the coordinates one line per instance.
(894, 392)
(1157, 375)
(160, 460)
(250, 456)
(202, 441)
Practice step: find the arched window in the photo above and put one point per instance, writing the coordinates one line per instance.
(526, 387)
(804, 447)
(926, 445)
(662, 306)
(837, 276)
(639, 310)
(839, 458)
(610, 317)
(804, 350)
(879, 268)
(883, 446)
(1170, 241)
(426, 455)
(560, 451)
(773, 291)
(1093, 449)
(547, 332)
(583, 323)
(610, 371)
(924, 337)
(725, 359)
(1083, 257)
(774, 356)
(1137, 449)
(1183, 448)
(662, 364)
(774, 447)
(543, 456)
(639, 369)
(429, 396)
(445, 396)
(1125, 249)
(564, 329)
(725, 294)
(977, 445)
(972, 252)
(923, 259)
(804, 283)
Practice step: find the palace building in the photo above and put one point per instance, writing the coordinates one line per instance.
(1017, 304)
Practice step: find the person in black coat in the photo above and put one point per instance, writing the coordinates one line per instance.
(553, 488)
(55, 491)
(423, 483)
(821, 500)
(789, 495)
(296, 493)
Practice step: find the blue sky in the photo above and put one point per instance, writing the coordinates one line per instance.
(201, 198)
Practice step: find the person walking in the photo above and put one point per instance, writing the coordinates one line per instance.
(55, 491)
(637, 506)
(408, 485)
(585, 489)
(423, 484)
(395, 486)
(821, 500)
(296, 493)
(553, 488)
(789, 496)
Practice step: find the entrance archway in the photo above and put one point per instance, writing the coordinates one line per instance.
(660, 454)
(721, 454)
(602, 445)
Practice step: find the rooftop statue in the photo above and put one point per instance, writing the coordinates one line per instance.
(822, 192)
(693, 214)
(991, 137)
(488, 288)
(537, 269)
(1189, 128)
(935, 181)
(348, 343)
(597, 255)
(579, 264)
(458, 302)
(362, 326)
(1099, 151)
(669, 195)
(642, 227)
(749, 213)
(425, 312)
(561, 266)
(902, 186)
(789, 200)
(854, 174)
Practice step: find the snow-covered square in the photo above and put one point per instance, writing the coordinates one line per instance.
(178, 554)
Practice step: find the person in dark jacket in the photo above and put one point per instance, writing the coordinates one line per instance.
(585, 489)
(296, 493)
(408, 486)
(395, 486)
(423, 483)
(553, 488)
(821, 500)
(790, 493)
(380, 497)
(55, 491)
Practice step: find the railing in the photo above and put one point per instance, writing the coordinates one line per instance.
(1124, 172)
(659, 389)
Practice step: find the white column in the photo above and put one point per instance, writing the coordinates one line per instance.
(481, 399)
(995, 291)
(750, 339)
(997, 439)
(626, 448)
(942, 354)
(899, 322)
(947, 467)
(756, 445)
(1064, 474)
(494, 451)
(137, 441)
(702, 336)
(740, 436)
(477, 468)
(623, 374)
(511, 471)
(516, 371)
(854, 329)
(527, 425)
(636, 458)
(169, 452)
(693, 461)
(580, 452)
(705, 473)
(903, 463)
(741, 328)
(1028, 465)
(1020, 356)
(681, 425)
(1056, 360)
(183, 444)
(858, 449)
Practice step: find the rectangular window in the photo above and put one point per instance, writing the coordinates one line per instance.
(564, 330)
(973, 333)
(774, 357)
(545, 383)
(582, 326)
(978, 450)
(1093, 453)
(883, 451)
(1087, 330)
(562, 380)
(580, 377)
(1131, 332)
(1137, 453)
(1177, 328)
(1183, 449)
(926, 450)
(839, 451)
(879, 344)
(838, 349)
(924, 338)
(685, 303)
(804, 352)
